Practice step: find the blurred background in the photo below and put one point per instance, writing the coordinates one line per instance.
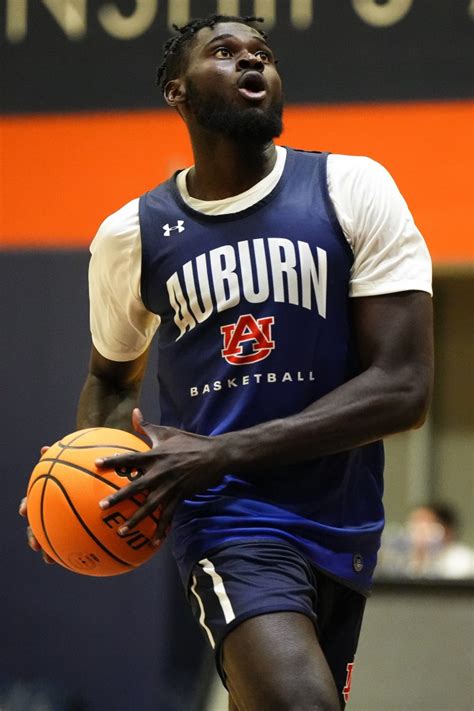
(82, 131)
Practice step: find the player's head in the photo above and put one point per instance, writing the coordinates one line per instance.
(220, 73)
(447, 517)
(438, 518)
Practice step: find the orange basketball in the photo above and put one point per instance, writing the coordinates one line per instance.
(63, 505)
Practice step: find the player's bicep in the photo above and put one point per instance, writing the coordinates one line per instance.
(394, 329)
(395, 336)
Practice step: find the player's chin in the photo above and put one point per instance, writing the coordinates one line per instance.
(260, 124)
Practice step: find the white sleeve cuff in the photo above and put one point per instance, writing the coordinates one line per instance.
(390, 287)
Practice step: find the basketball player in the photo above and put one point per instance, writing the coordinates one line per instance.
(291, 294)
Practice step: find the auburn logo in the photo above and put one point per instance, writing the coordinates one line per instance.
(247, 341)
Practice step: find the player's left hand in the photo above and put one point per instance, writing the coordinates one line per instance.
(32, 542)
(178, 465)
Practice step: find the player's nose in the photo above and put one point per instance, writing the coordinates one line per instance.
(250, 61)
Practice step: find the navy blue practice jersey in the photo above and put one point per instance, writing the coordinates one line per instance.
(256, 325)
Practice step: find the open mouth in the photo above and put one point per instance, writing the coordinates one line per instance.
(252, 86)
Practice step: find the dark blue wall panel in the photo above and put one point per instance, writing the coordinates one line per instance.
(126, 643)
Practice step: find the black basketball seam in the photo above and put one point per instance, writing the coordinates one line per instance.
(93, 446)
(85, 527)
(53, 460)
(95, 476)
(43, 494)
(82, 433)
(64, 446)
(73, 465)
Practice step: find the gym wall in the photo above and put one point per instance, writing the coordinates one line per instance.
(82, 131)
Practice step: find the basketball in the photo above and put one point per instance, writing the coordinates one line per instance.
(63, 497)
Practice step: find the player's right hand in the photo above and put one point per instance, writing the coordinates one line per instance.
(32, 542)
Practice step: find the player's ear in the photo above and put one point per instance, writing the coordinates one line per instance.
(175, 92)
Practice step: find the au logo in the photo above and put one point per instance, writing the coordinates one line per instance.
(247, 341)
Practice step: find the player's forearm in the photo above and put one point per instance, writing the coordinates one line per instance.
(365, 409)
(103, 403)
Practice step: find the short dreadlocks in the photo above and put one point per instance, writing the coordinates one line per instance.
(175, 48)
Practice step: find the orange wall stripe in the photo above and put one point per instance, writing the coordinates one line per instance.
(62, 174)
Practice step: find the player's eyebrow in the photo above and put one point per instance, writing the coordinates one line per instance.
(228, 35)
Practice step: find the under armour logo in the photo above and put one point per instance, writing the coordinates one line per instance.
(179, 226)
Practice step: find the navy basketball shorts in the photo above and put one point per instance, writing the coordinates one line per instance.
(251, 578)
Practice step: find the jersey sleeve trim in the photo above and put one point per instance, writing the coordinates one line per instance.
(118, 357)
(392, 287)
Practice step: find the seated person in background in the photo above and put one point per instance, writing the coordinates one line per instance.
(427, 546)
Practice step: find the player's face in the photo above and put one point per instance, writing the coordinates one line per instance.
(232, 85)
(424, 528)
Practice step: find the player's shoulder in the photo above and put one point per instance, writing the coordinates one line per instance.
(123, 219)
(357, 179)
(122, 224)
(356, 167)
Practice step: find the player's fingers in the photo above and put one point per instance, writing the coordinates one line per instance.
(126, 492)
(32, 542)
(138, 422)
(164, 524)
(155, 433)
(44, 449)
(47, 559)
(117, 461)
(149, 507)
(143, 427)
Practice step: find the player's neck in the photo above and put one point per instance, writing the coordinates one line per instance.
(223, 168)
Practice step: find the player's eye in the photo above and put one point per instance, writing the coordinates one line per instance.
(223, 53)
(264, 56)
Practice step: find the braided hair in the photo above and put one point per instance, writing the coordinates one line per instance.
(176, 47)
